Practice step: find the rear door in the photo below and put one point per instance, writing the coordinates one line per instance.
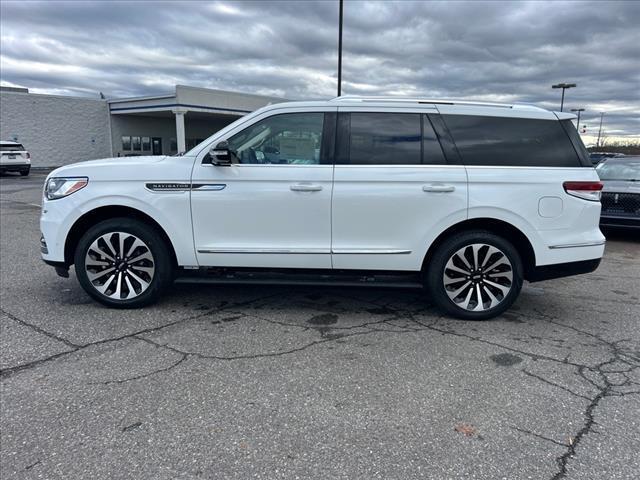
(517, 168)
(393, 191)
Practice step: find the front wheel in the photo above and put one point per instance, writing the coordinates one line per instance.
(475, 275)
(123, 263)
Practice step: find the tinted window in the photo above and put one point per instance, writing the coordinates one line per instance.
(511, 141)
(431, 150)
(11, 148)
(293, 138)
(385, 139)
(579, 147)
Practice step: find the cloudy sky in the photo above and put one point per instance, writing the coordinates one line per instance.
(498, 51)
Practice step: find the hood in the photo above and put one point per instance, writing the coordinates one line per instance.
(620, 186)
(111, 162)
(128, 168)
(84, 169)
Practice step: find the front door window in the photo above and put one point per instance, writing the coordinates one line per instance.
(289, 139)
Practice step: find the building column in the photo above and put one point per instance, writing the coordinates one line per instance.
(180, 134)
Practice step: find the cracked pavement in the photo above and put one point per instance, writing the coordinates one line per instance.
(303, 382)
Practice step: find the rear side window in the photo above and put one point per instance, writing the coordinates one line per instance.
(515, 142)
(387, 139)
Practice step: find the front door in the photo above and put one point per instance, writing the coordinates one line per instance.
(272, 206)
(156, 146)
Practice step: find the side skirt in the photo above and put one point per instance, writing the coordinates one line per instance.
(340, 278)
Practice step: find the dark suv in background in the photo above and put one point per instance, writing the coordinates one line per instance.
(621, 192)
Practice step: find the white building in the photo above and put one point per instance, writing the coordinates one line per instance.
(58, 130)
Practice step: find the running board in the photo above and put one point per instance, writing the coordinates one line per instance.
(342, 279)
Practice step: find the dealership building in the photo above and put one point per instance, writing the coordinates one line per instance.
(59, 130)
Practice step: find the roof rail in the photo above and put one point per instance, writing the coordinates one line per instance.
(356, 98)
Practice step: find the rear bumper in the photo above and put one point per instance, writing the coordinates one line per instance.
(15, 167)
(547, 272)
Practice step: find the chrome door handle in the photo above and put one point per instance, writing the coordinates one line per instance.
(305, 187)
(438, 187)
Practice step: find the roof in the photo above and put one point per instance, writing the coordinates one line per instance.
(417, 105)
(8, 143)
(431, 101)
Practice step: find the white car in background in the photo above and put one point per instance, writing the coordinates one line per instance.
(465, 199)
(14, 158)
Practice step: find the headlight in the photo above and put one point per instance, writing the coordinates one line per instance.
(59, 187)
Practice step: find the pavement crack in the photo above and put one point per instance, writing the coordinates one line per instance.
(577, 438)
(537, 435)
(40, 330)
(74, 348)
(145, 375)
(553, 384)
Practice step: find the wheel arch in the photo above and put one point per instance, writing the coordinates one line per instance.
(100, 214)
(499, 227)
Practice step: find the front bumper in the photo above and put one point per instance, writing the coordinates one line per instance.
(62, 269)
(620, 221)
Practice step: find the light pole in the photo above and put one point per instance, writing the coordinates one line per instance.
(600, 130)
(563, 86)
(340, 51)
(578, 110)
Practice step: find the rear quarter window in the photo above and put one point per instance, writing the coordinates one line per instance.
(518, 142)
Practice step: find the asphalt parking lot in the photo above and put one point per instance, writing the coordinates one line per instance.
(291, 382)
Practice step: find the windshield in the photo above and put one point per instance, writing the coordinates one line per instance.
(628, 170)
(11, 148)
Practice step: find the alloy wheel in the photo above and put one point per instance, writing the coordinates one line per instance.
(478, 277)
(119, 265)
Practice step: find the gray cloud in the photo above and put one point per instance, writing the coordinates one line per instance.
(509, 51)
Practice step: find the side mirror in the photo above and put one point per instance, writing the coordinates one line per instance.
(220, 154)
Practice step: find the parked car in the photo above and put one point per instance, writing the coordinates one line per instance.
(597, 157)
(621, 192)
(466, 199)
(14, 158)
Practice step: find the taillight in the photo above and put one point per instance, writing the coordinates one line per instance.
(585, 190)
(28, 156)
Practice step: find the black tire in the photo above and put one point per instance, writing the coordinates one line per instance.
(24, 173)
(435, 274)
(162, 263)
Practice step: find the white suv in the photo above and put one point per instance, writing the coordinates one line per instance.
(467, 199)
(14, 158)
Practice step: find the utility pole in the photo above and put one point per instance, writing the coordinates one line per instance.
(578, 110)
(563, 86)
(599, 130)
(340, 51)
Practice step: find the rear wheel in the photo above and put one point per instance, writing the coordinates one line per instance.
(475, 275)
(123, 263)
(24, 173)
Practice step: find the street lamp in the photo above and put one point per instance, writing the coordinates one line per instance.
(340, 50)
(563, 86)
(600, 130)
(578, 110)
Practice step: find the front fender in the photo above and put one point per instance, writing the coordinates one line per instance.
(170, 210)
